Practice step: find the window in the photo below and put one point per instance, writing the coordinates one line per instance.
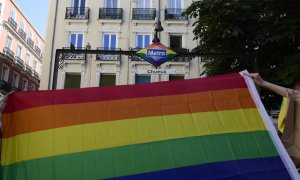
(76, 41)
(176, 77)
(142, 79)
(175, 42)
(72, 81)
(79, 6)
(19, 51)
(27, 59)
(38, 43)
(0, 8)
(111, 4)
(174, 4)
(22, 25)
(107, 80)
(143, 40)
(16, 80)
(143, 4)
(30, 35)
(110, 41)
(8, 42)
(5, 73)
(25, 85)
(34, 65)
(12, 14)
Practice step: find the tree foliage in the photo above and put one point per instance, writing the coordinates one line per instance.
(265, 32)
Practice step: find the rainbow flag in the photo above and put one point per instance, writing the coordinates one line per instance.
(209, 128)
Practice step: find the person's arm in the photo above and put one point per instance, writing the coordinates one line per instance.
(273, 87)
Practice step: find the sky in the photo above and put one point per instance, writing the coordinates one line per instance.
(37, 12)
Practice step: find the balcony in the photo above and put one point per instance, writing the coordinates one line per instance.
(143, 13)
(181, 58)
(36, 74)
(175, 15)
(37, 50)
(5, 86)
(111, 13)
(30, 42)
(20, 62)
(74, 55)
(28, 69)
(15, 89)
(8, 53)
(12, 23)
(77, 13)
(108, 57)
(22, 33)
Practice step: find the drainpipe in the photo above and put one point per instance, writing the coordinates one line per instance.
(53, 38)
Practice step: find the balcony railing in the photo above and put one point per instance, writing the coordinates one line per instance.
(5, 86)
(37, 50)
(74, 56)
(110, 13)
(77, 13)
(108, 57)
(20, 62)
(30, 42)
(36, 74)
(12, 23)
(22, 33)
(175, 14)
(181, 58)
(28, 69)
(8, 53)
(143, 13)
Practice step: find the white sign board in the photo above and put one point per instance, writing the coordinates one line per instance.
(156, 71)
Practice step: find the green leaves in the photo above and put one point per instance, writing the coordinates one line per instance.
(267, 32)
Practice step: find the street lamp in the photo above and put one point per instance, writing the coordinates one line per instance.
(158, 28)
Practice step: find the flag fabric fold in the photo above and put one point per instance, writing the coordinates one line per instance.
(209, 128)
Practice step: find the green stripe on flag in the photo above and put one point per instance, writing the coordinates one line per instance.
(149, 157)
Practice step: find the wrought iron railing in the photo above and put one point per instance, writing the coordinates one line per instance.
(5, 86)
(143, 13)
(36, 74)
(28, 69)
(175, 14)
(22, 33)
(19, 61)
(135, 57)
(108, 57)
(37, 50)
(181, 58)
(74, 56)
(8, 53)
(110, 13)
(77, 13)
(30, 42)
(12, 23)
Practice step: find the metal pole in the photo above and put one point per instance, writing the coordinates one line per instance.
(55, 70)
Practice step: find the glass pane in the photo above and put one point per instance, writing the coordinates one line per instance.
(113, 41)
(106, 41)
(80, 40)
(107, 80)
(72, 81)
(142, 79)
(76, 3)
(178, 4)
(82, 7)
(72, 41)
(176, 77)
(147, 40)
(140, 41)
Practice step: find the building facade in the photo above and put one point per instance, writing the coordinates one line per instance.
(116, 25)
(20, 50)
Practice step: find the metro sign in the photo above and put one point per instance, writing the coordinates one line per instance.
(156, 54)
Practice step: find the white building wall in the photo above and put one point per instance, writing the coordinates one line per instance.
(59, 30)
